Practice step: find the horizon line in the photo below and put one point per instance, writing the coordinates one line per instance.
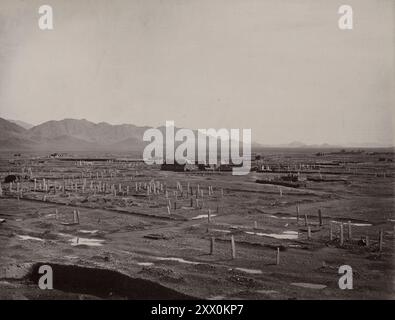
(262, 144)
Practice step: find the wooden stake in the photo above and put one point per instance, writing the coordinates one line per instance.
(381, 240)
(330, 232)
(309, 232)
(306, 223)
(212, 243)
(255, 225)
(232, 241)
(297, 214)
(349, 230)
(320, 217)
(341, 234)
(75, 217)
(278, 256)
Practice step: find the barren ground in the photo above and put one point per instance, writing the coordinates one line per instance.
(157, 255)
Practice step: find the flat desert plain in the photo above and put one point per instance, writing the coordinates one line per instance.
(112, 227)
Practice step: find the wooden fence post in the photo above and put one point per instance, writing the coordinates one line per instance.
(232, 240)
(212, 243)
(278, 256)
(320, 217)
(381, 240)
(297, 214)
(341, 234)
(76, 217)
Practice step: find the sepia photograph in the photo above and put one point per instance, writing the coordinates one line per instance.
(210, 150)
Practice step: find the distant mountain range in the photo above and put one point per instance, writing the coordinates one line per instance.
(301, 145)
(71, 134)
(298, 144)
(83, 135)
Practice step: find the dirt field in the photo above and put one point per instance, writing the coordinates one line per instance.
(126, 245)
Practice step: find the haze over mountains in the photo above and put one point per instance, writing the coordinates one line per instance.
(23, 124)
(71, 134)
(83, 135)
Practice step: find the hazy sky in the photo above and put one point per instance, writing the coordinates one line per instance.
(280, 67)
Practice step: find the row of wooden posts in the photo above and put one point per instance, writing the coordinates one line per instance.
(194, 203)
(349, 235)
(151, 188)
(341, 229)
(306, 222)
(103, 174)
(196, 197)
(331, 236)
(113, 173)
(76, 216)
(233, 248)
